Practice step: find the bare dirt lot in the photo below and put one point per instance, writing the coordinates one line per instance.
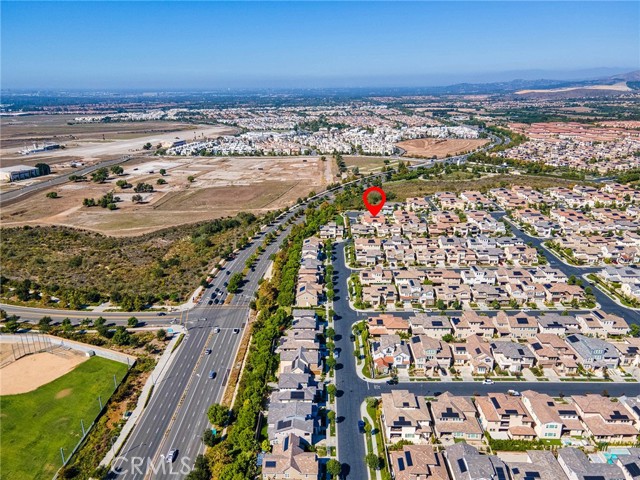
(219, 187)
(89, 142)
(30, 372)
(439, 147)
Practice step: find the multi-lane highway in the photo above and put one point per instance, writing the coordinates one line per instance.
(176, 416)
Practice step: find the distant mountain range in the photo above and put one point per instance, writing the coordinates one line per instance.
(617, 83)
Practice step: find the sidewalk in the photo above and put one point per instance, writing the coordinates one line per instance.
(156, 377)
(374, 444)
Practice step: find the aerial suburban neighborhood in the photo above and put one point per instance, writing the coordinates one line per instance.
(320, 240)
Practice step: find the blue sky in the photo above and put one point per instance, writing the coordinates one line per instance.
(185, 45)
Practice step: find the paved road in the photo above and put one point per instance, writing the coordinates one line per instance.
(176, 416)
(352, 390)
(7, 198)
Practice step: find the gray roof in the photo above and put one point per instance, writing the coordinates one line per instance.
(592, 349)
(580, 468)
(512, 350)
(541, 465)
(466, 463)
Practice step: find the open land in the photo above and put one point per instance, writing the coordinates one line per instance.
(439, 147)
(37, 424)
(458, 183)
(220, 187)
(32, 371)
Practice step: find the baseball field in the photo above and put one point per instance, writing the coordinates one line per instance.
(35, 425)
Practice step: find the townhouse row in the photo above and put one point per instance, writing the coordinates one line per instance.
(463, 251)
(395, 220)
(527, 416)
(293, 420)
(473, 287)
(310, 284)
(565, 344)
(465, 462)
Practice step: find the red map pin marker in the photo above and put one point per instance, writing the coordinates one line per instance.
(374, 209)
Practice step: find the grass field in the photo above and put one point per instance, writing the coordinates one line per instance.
(36, 424)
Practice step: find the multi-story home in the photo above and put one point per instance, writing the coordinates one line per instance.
(512, 356)
(389, 351)
(466, 463)
(417, 462)
(405, 416)
(605, 419)
(292, 417)
(551, 351)
(544, 411)
(455, 419)
(436, 326)
(470, 323)
(593, 353)
(476, 352)
(577, 466)
(522, 325)
(290, 460)
(387, 324)
(430, 355)
(539, 464)
(504, 417)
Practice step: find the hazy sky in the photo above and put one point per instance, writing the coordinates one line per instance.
(307, 44)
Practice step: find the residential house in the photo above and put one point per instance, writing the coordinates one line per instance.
(466, 463)
(577, 466)
(388, 352)
(417, 462)
(505, 417)
(455, 419)
(511, 356)
(290, 460)
(606, 419)
(405, 416)
(539, 464)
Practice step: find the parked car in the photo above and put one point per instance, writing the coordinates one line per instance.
(352, 337)
(161, 314)
(361, 426)
(210, 302)
(488, 381)
(513, 393)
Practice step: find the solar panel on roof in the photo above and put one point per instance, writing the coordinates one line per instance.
(633, 468)
(407, 455)
(270, 464)
(297, 395)
(462, 465)
(532, 475)
(400, 464)
(501, 474)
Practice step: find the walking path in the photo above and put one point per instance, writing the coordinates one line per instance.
(365, 416)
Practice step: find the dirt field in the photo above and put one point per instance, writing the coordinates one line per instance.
(87, 143)
(30, 372)
(457, 183)
(439, 147)
(367, 164)
(220, 187)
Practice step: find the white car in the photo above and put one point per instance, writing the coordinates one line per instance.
(171, 456)
(488, 381)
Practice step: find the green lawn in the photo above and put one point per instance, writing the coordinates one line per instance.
(35, 425)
